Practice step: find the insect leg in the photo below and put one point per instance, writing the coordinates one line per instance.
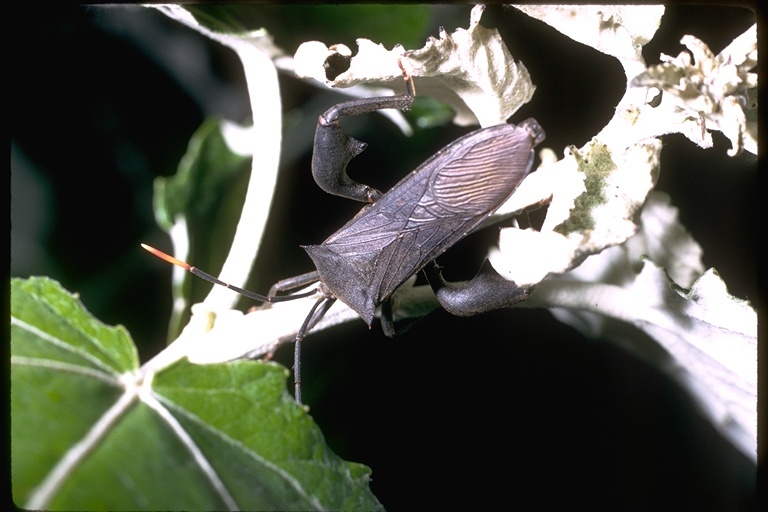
(333, 149)
(387, 322)
(318, 310)
(484, 292)
(293, 283)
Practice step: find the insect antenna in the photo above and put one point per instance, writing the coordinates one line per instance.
(318, 310)
(211, 279)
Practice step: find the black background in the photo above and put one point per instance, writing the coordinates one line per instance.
(508, 407)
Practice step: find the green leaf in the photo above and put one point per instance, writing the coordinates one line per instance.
(40, 308)
(90, 430)
(276, 444)
(205, 172)
(65, 371)
(294, 24)
(428, 112)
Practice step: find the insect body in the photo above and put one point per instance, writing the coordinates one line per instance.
(439, 203)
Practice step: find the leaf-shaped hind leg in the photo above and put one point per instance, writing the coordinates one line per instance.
(333, 149)
(484, 292)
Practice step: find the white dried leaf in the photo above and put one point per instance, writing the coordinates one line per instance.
(596, 194)
(710, 335)
(617, 30)
(215, 336)
(665, 241)
(584, 220)
(470, 70)
(705, 92)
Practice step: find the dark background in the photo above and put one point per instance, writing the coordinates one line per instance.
(507, 407)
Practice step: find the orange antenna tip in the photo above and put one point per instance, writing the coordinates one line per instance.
(167, 257)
